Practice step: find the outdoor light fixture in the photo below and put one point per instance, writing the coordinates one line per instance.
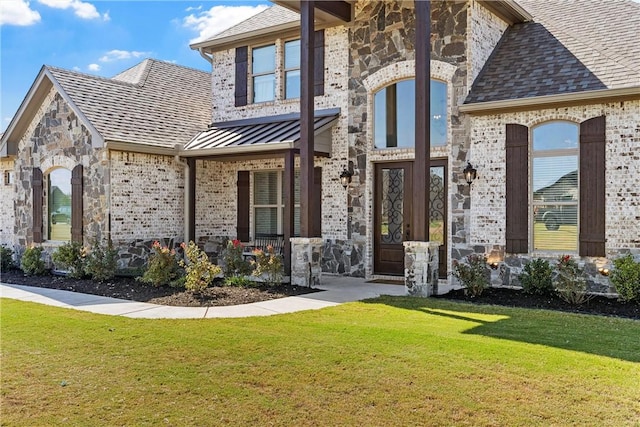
(345, 178)
(470, 173)
(494, 265)
(603, 271)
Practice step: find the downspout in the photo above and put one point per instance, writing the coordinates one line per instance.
(187, 190)
(205, 56)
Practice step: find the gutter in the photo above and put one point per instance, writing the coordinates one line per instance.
(187, 190)
(205, 56)
(550, 101)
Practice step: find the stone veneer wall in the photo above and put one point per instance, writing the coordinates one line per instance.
(57, 138)
(488, 223)
(381, 50)
(7, 197)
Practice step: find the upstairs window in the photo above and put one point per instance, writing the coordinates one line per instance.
(555, 198)
(395, 112)
(263, 72)
(292, 69)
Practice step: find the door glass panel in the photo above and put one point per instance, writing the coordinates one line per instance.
(437, 205)
(392, 206)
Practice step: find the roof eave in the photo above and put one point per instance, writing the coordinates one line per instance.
(250, 37)
(551, 101)
(135, 147)
(234, 150)
(508, 10)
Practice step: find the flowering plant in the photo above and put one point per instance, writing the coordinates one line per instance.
(200, 271)
(163, 267)
(233, 259)
(570, 282)
(473, 276)
(268, 264)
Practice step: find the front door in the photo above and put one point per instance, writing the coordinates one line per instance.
(392, 217)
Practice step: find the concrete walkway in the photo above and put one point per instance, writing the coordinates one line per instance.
(336, 290)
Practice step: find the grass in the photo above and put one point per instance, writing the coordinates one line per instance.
(563, 239)
(388, 361)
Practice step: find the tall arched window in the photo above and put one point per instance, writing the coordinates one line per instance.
(59, 204)
(394, 115)
(555, 198)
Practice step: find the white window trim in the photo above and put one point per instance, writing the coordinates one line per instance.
(279, 205)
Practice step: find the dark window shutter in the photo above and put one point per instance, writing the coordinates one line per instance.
(517, 199)
(76, 204)
(242, 229)
(316, 202)
(592, 187)
(36, 186)
(242, 73)
(318, 63)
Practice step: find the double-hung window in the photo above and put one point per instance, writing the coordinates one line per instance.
(292, 69)
(268, 202)
(263, 73)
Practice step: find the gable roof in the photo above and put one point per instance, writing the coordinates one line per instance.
(571, 47)
(154, 103)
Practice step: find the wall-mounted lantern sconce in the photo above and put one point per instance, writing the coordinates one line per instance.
(470, 173)
(604, 271)
(345, 178)
(494, 265)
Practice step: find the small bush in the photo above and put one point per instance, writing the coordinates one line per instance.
(269, 265)
(6, 258)
(570, 283)
(32, 262)
(200, 272)
(474, 276)
(234, 262)
(163, 268)
(626, 278)
(238, 281)
(70, 257)
(536, 277)
(101, 262)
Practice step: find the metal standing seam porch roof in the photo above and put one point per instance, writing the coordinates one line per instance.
(261, 134)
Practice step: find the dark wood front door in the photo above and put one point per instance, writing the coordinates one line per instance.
(392, 216)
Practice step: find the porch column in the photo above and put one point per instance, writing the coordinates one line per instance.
(190, 205)
(420, 255)
(289, 207)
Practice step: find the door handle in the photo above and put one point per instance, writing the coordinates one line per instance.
(407, 232)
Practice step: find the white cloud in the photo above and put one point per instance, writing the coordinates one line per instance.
(190, 8)
(17, 12)
(218, 18)
(81, 9)
(118, 55)
(94, 67)
(76, 68)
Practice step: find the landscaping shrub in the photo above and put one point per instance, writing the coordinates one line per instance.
(536, 277)
(570, 283)
(200, 272)
(238, 281)
(268, 264)
(71, 258)
(626, 278)
(31, 262)
(473, 276)
(163, 268)
(6, 258)
(101, 262)
(234, 262)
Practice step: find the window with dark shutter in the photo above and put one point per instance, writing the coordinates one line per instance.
(243, 206)
(76, 204)
(318, 64)
(36, 186)
(242, 69)
(592, 187)
(517, 191)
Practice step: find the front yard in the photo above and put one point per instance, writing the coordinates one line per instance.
(389, 361)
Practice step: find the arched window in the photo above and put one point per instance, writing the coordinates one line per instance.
(59, 204)
(394, 115)
(555, 190)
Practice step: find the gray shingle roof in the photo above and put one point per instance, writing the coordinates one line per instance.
(271, 17)
(572, 46)
(154, 102)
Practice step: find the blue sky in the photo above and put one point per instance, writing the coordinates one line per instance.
(103, 37)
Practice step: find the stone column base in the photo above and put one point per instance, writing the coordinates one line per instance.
(421, 268)
(306, 268)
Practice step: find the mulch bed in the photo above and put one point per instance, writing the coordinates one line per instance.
(130, 289)
(599, 305)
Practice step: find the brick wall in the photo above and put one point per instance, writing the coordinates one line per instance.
(7, 196)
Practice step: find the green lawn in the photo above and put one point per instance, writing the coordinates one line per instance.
(389, 361)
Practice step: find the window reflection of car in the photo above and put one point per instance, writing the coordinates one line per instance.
(62, 215)
(553, 215)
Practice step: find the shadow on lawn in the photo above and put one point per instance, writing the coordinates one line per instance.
(600, 335)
